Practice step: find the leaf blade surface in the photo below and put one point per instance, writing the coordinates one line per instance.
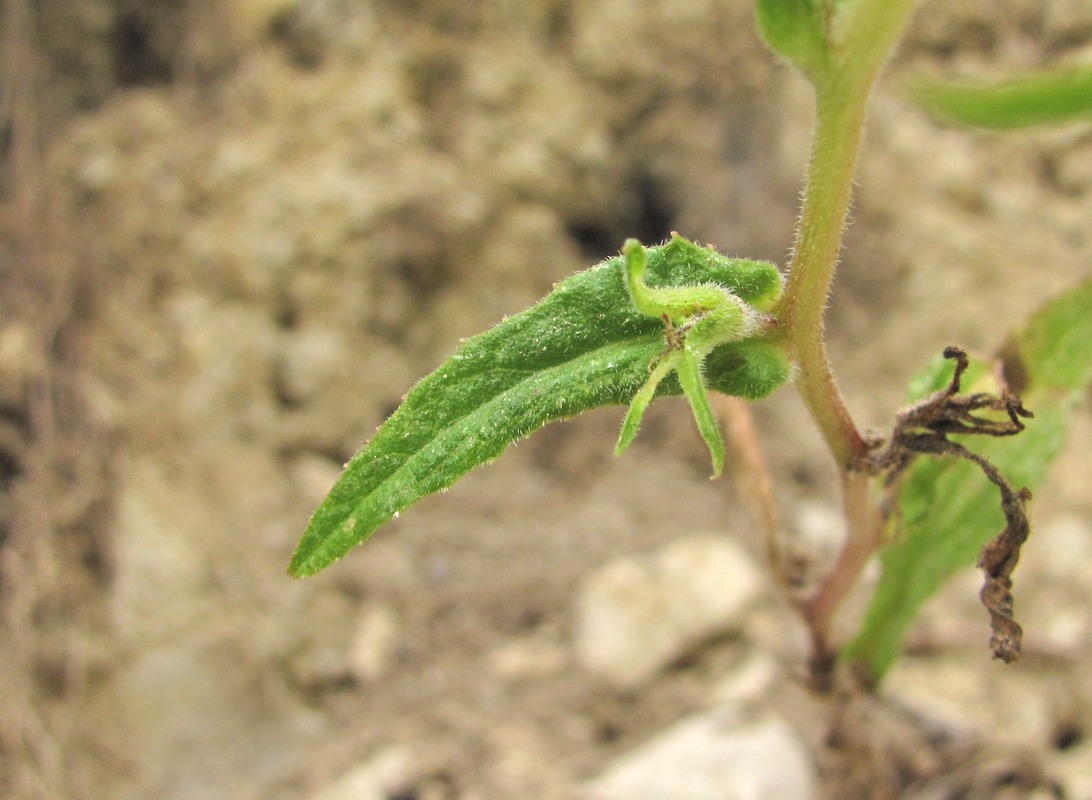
(581, 347)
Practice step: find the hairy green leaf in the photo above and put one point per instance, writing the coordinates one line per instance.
(794, 30)
(1045, 98)
(948, 509)
(582, 346)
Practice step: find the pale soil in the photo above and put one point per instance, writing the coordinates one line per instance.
(259, 241)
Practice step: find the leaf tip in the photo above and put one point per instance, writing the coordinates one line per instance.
(628, 432)
(718, 468)
(301, 566)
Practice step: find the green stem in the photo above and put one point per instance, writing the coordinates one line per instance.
(864, 526)
(842, 85)
(818, 241)
(860, 39)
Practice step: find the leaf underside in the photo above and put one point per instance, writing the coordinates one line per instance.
(581, 347)
(948, 509)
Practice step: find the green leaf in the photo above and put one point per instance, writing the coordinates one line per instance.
(582, 346)
(948, 509)
(1045, 98)
(794, 30)
(1054, 351)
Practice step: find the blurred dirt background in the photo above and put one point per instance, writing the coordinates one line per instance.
(234, 233)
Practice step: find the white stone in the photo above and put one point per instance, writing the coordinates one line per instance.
(1062, 547)
(1063, 629)
(1074, 769)
(375, 779)
(637, 614)
(313, 475)
(749, 681)
(311, 357)
(529, 657)
(820, 531)
(16, 362)
(719, 755)
(160, 567)
(199, 720)
(374, 643)
(973, 695)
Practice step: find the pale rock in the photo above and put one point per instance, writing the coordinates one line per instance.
(530, 657)
(819, 532)
(603, 28)
(1074, 173)
(197, 716)
(379, 778)
(639, 613)
(522, 764)
(16, 362)
(322, 657)
(310, 358)
(1073, 768)
(718, 755)
(820, 523)
(1062, 21)
(374, 643)
(964, 695)
(749, 681)
(98, 171)
(160, 568)
(258, 16)
(224, 353)
(314, 475)
(1062, 547)
(1064, 630)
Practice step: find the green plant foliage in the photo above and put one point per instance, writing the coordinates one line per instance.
(1053, 350)
(794, 30)
(948, 509)
(697, 319)
(582, 346)
(1048, 97)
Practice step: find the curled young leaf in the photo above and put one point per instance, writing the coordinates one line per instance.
(696, 319)
(583, 346)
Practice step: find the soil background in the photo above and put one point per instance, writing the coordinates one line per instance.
(234, 234)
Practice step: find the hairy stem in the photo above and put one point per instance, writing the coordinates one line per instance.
(864, 533)
(860, 40)
(840, 114)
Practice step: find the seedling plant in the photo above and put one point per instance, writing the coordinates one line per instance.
(946, 487)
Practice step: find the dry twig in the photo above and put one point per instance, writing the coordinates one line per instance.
(923, 429)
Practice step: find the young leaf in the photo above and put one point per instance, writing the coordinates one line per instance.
(696, 320)
(948, 509)
(794, 30)
(1048, 97)
(582, 346)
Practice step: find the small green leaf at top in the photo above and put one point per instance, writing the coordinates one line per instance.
(794, 30)
(584, 345)
(948, 510)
